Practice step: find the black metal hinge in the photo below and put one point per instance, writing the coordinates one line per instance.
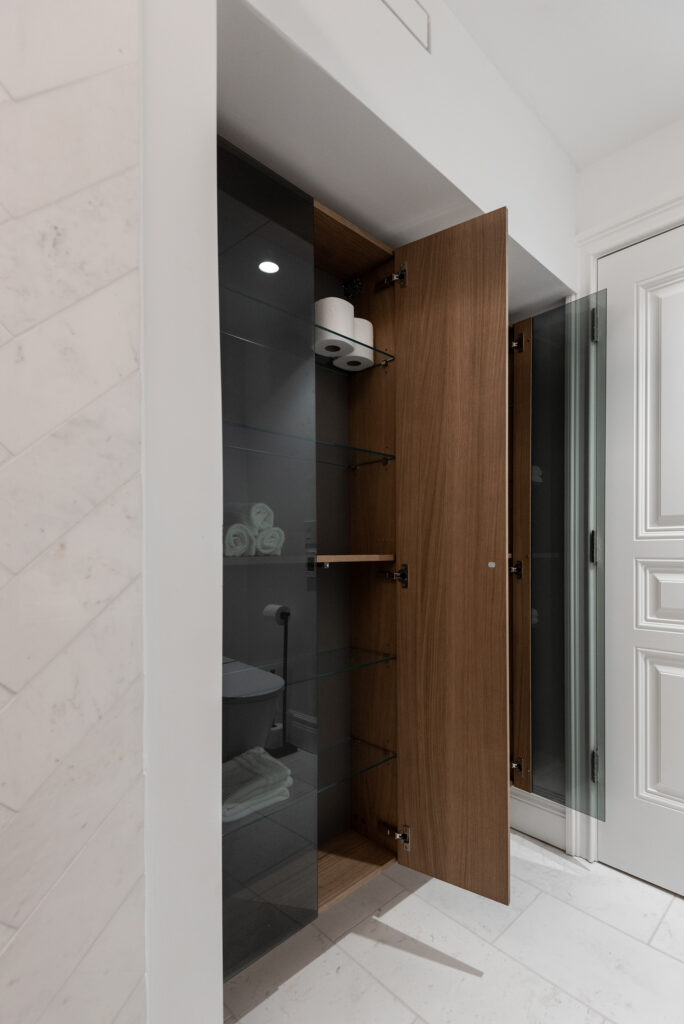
(515, 569)
(595, 766)
(400, 278)
(403, 834)
(593, 325)
(592, 547)
(400, 575)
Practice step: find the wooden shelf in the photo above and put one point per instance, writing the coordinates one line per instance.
(354, 558)
(345, 863)
(342, 249)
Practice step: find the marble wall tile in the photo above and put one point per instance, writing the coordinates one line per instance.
(51, 944)
(52, 485)
(45, 43)
(5, 696)
(41, 841)
(53, 370)
(5, 576)
(6, 815)
(6, 933)
(77, 689)
(134, 1010)
(4, 215)
(61, 253)
(84, 132)
(58, 594)
(4, 454)
(109, 972)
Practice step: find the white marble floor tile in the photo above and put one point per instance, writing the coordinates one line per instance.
(36, 52)
(670, 934)
(406, 877)
(308, 980)
(359, 905)
(52, 371)
(58, 254)
(486, 918)
(445, 973)
(84, 132)
(619, 976)
(624, 902)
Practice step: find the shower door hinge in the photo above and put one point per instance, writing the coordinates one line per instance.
(387, 282)
(593, 325)
(393, 832)
(595, 766)
(400, 575)
(515, 569)
(592, 547)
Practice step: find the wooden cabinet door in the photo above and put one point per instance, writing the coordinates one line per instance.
(453, 759)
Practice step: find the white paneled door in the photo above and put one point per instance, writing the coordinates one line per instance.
(644, 560)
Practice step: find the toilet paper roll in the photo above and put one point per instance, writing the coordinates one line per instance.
(279, 612)
(337, 315)
(362, 355)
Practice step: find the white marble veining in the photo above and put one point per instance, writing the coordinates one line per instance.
(60, 253)
(58, 367)
(6, 815)
(40, 842)
(5, 696)
(84, 132)
(623, 978)
(669, 936)
(308, 979)
(50, 487)
(4, 454)
(433, 964)
(617, 899)
(53, 941)
(6, 933)
(45, 43)
(73, 692)
(107, 975)
(46, 605)
(134, 1011)
(367, 900)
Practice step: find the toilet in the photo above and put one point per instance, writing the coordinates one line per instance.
(250, 702)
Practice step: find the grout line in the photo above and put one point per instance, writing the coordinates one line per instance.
(662, 918)
(63, 309)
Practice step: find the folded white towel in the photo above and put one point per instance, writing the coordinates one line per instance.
(233, 811)
(252, 780)
(269, 541)
(239, 541)
(255, 515)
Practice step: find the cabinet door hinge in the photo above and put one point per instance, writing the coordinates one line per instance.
(400, 575)
(403, 835)
(595, 766)
(401, 278)
(517, 342)
(515, 569)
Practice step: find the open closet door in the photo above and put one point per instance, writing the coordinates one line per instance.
(452, 645)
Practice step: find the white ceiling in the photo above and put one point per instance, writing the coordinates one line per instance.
(600, 74)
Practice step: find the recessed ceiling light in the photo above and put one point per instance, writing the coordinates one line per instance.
(268, 267)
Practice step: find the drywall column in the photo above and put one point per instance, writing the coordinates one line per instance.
(72, 887)
(182, 490)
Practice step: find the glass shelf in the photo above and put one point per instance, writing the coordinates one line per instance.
(262, 441)
(333, 663)
(336, 764)
(380, 357)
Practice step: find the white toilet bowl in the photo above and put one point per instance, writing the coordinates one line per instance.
(250, 702)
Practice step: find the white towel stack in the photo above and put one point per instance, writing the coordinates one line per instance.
(253, 781)
(253, 532)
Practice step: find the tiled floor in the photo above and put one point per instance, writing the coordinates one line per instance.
(579, 944)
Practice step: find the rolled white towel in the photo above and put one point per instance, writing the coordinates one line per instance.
(255, 515)
(234, 811)
(269, 541)
(239, 541)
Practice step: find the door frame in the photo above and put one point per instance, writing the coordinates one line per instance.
(581, 831)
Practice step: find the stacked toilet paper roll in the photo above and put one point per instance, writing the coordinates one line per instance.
(335, 327)
(362, 354)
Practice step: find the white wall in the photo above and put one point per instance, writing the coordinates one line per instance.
(644, 178)
(183, 513)
(72, 944)
(452, 106)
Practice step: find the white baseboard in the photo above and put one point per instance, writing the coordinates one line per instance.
(537, 817)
